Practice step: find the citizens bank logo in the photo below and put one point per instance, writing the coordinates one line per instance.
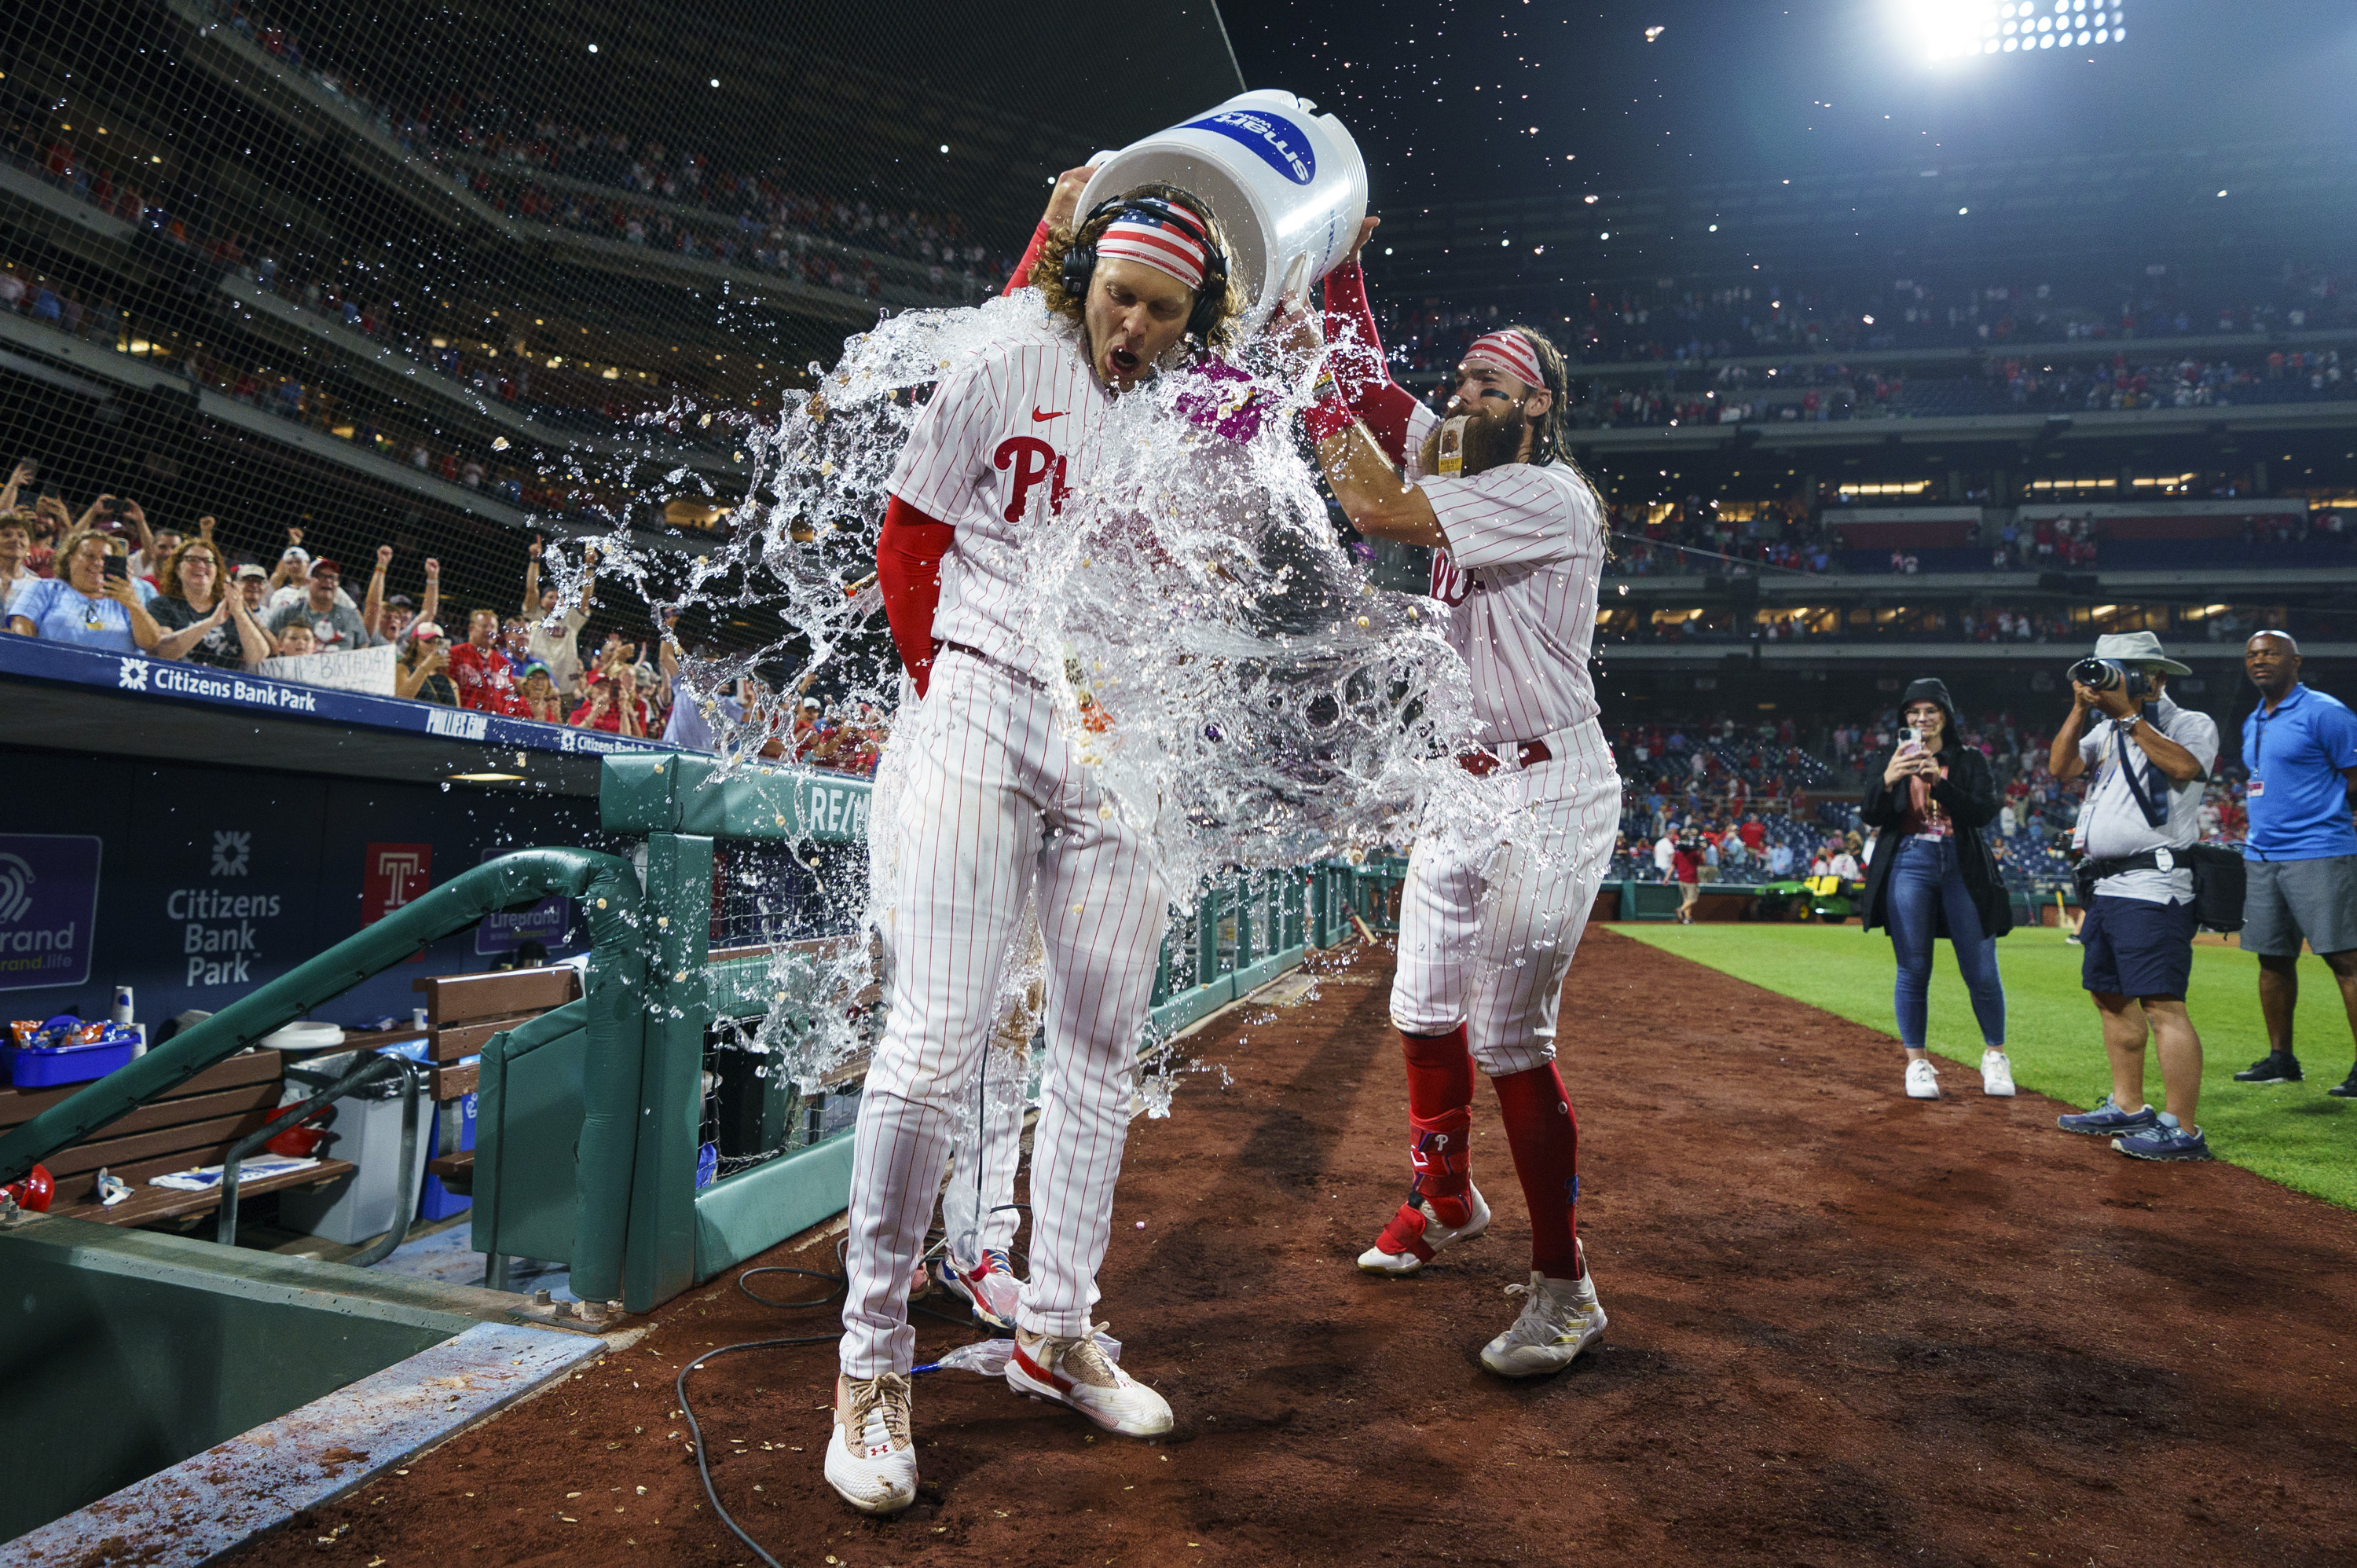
(133, 676)
(17, 881)
(1279, 143)
(230, 850)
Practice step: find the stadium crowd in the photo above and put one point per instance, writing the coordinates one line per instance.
(687, 203)
(113, 580)
(1772, 800)
(289, 394)
(1738, 394)
(1683, 325)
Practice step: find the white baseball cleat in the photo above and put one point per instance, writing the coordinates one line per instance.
(871, 1461)
(1416, 1233)
(988, 1287)
(1560, 1318)
(1078, 1373)
(1922, 1081)
(1997, 1075)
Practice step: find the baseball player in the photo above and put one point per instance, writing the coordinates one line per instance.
(996, 805)
(978, 1213)
(1490, 914)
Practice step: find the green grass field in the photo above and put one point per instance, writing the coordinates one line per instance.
(2296, 1135)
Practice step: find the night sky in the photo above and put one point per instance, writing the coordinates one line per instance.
(1479, 98)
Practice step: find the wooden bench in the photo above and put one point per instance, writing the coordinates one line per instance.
(193, 1126)
(462, 1013)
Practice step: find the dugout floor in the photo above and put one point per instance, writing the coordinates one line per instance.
(1845, 1327)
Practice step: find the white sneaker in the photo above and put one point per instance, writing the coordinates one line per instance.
(1922, 1081)
(1560, 1318)
(871, 1462)
(1997, 1075)
(1414, 1234)
(1078, 1373)
(988, 1287)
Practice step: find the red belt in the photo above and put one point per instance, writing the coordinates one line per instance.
(1481, 763)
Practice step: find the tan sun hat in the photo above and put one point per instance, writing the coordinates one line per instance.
(2138, 647)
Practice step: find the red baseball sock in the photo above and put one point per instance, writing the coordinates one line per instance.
(1544, 1134)
(1441, 1115)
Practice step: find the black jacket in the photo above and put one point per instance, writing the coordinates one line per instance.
(1969, 796)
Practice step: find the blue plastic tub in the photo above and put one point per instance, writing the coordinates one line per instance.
(34, 1066)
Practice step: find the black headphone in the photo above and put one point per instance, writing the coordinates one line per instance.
(1210, 296)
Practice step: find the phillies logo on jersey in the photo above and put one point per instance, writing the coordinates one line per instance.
(1448, 584)
(1032, 462)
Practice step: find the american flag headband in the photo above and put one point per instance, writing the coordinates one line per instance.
(1510, 352)
(1164, 236)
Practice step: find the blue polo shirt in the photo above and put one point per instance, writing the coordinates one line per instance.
(2298, 798)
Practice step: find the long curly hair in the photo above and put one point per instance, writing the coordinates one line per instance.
(1547, 429)
(1048, 269)
(168, 581)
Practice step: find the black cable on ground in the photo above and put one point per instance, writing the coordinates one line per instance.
(838, 1282)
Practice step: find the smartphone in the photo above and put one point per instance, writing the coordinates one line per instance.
(1911, 736)
(115, 566)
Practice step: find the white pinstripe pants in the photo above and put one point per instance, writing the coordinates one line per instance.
(1491, 916)
(987, 1135)
(993, 804)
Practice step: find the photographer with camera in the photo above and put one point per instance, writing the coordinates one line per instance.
(2300, 749)
(2136, 830)
(1933, 876)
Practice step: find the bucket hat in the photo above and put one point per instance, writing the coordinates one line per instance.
(2138, 647)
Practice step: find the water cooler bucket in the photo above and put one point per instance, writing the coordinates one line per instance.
(1287, 183)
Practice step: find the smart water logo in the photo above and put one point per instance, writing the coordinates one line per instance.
(1279, 143)
(48, 909)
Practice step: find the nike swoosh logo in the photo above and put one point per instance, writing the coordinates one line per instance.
(1039, 418)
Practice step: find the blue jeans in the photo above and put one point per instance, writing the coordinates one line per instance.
(1925, 882)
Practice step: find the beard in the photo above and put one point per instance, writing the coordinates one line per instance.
(1493, 439)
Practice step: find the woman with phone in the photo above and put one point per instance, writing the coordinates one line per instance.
(92, 602)
(423, 674)
(1933, 876)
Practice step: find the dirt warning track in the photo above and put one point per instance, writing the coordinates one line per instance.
(1845, 1326)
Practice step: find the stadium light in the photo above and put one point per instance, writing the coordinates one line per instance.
(1963, 30)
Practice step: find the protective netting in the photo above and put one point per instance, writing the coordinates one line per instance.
(425, 281)
(627, 315)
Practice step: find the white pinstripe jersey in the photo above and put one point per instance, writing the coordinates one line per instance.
(1005, 437)
(1525, 551)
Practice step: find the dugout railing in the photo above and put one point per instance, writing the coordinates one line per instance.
(594, 1140)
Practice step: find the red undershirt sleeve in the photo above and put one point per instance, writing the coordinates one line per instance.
(1360, 373)
(909, 554)
(1022, 276)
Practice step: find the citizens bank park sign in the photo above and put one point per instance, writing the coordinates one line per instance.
(30, 658)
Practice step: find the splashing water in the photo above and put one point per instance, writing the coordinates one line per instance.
(1249, 696)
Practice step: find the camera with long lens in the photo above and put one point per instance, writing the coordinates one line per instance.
(2109, 674)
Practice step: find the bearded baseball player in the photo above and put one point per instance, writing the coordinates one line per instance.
(996, 805)
(1491, 913)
